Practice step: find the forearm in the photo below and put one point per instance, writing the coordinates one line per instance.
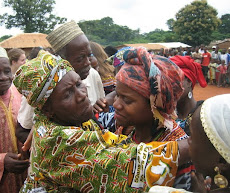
(184, 152)
(74, 158)
(21, 133)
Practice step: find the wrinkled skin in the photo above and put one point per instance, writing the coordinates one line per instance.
(73, 106)
(79, 54)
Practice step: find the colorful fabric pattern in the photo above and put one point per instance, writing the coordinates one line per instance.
(89, 159)
(154, 77)
(117, 59)
(212, 71)
(109, 83)
(38, 77)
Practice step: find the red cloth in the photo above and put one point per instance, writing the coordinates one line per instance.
(191, 69)
(206, 59)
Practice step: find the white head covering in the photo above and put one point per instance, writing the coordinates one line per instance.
(165, 189)
(63, 35)
(3, 53)
(215, 118)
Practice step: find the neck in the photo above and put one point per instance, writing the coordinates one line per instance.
(185, 106)
(144, 133)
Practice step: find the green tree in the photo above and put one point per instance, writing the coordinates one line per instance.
(224, 28)
(5, 37)
(195, 23)
(169, 23)
(159, 35)
(105, 31)
(31, 15)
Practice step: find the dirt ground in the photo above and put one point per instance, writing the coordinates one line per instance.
(209, 91)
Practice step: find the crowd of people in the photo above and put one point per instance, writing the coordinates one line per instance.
(215, 63)
(80, 118)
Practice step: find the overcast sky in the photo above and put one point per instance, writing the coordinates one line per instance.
(146, 15)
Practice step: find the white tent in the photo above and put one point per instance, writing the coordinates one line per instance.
(173, 45)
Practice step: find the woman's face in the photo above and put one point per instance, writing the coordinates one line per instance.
(203, 154)
(131, 108)
(69, 104)
(17, 64)
(94, 63)
(5, 75)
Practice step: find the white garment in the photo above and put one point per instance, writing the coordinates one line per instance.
(165, 189)
(94, 86)
(224, 57)
(25, 114)
(215, 120)
(95, 91)
(201, 51)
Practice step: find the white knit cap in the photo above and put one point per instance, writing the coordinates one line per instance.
(3, 53)
(63, 35)
(215, 118)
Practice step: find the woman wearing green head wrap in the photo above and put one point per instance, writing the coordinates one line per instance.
(69, 153)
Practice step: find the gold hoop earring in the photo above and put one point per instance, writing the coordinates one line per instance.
(219, 179)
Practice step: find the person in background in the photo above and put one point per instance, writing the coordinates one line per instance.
(206, 58)
(228, 64)
(34, 52)
(106, 70)
(223, 74)
(11, 163)
(223, 56)
(187, 103)
(197, 56)
(212, 71)
(110, 50)
(228, 56)
(215, 54)
(201, 50)
(94, 63)
(17, 58)
(68, 41)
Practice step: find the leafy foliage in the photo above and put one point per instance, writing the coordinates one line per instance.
(107, 32)
(31, 15)
(224, 28)
(170, 23)
(195, 23)
(5, 37)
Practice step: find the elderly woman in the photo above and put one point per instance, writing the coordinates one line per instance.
(70, 154)
(210, 145)
(10, 164)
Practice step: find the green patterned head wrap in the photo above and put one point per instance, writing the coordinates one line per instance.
(38, 77)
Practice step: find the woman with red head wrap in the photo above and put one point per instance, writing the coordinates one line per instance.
(186, 105)
(193, 74)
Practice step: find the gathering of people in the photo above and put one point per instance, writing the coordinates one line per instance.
(215, 63)
(78, 117)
